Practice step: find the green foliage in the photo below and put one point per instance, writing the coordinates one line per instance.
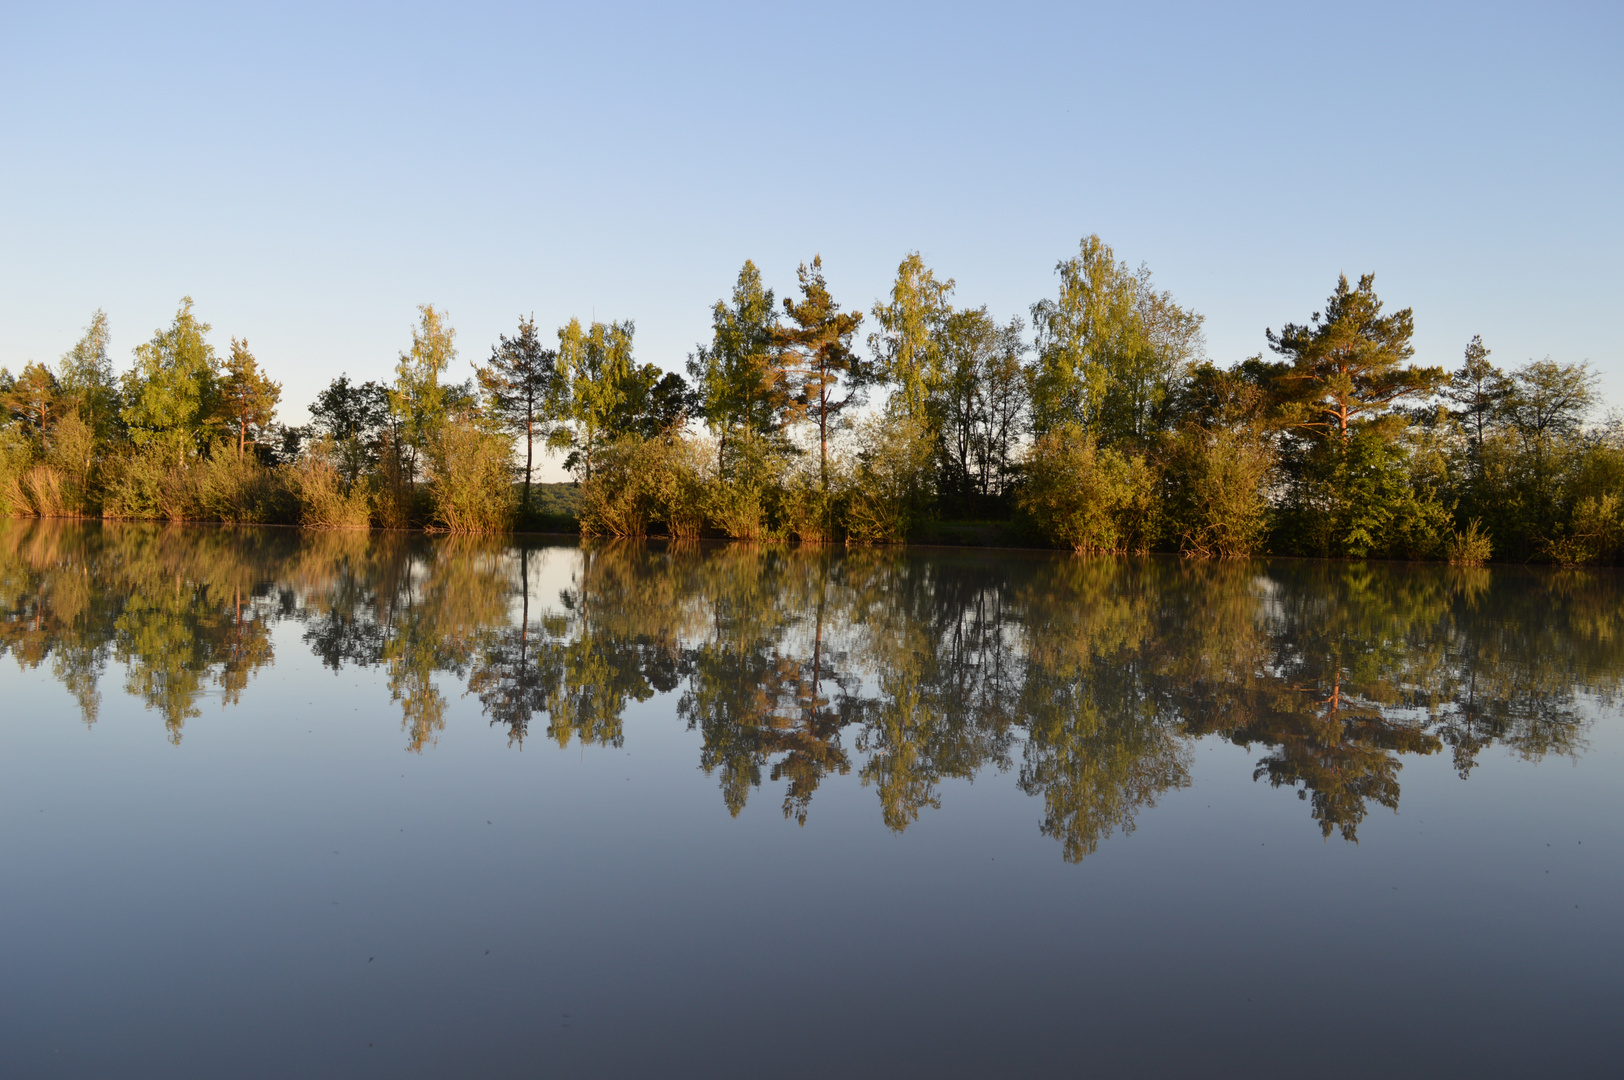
(1470, 546)
(983, 403)
(664, 480)
(820, 360)
(1110, 348)
(907, 347)
(1216, 480)
(247, 399)
(1360, 497)
(326, 498)
(742, 389)
(356, 421)
(890, 489)
(170, 394)
(1088, 497)
(517, 385)
(146, 483)
(471, 490)
(1349, 363)
(236, 488)
(418, 401)
(1596, 533)
(73, 457)
(16, 456)
(814, 500)
(88, 383)
(35, 397)
(603, 396)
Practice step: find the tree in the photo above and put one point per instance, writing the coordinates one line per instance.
(907, 346)
(417, 400)
(968, 341)
(1169, 343)
(1081, 335)
(171, 390)
(595, 370)
(657, 402)
(741, 386)
(88, 381)
(36, 397)
(1355, 485)
(1546, 407)
(517, 385)
(982, 401)
(355, 418)
(821, 358)
(1477, 389)
(1547, 400)
(247, 398)
(1350, 362)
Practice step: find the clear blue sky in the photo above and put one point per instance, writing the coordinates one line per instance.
(309, 174)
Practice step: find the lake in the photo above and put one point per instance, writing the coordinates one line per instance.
(330, 804)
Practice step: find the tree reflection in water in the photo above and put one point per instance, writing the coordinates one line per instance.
(1091, 678)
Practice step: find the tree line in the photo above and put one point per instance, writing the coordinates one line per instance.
(1086, 681)
(1101, 425)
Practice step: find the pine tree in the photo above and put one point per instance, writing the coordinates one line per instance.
(247, 398)
(517, 384)
(820, 352)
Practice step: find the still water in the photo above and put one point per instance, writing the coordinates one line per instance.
(279, 804)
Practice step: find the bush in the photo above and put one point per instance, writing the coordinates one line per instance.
(1087, 497)
(234, 487)
(324, 500)
(890, 490)
(682, 480)
(146, 483)
(16, 455)
(1596, 534)
(1216, 489)
(810, 513)
(1471, 547)
(72, 456)
(471, 490)
(617, 500)
(637, 483)
(746, 501)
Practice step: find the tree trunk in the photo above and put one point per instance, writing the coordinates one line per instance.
(529, 449)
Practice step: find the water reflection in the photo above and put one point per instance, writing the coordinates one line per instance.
(1089, 679)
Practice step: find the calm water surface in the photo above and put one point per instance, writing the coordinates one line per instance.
(276, 805)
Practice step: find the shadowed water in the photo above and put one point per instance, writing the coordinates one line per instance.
(348, 804)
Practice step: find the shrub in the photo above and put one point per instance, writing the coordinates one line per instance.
(890, 490)
(72, 455)
(147, 483)
(746, 501)
(324, 499)
(1596, 534)
(810, 513)
(1216, 479)
(618, 500)
(679, 472)
(43, 490)
(1087, 497)
(471, 490)
(16, 455)
(1471, 547)
(234, 487)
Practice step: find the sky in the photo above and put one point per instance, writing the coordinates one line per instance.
(310, 174)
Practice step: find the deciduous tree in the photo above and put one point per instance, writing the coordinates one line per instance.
(170, 392)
